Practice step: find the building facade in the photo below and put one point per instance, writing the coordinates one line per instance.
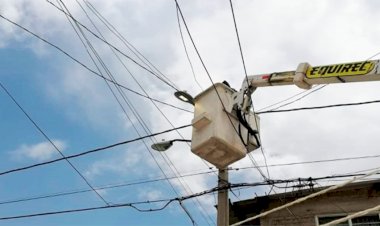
(313, 212)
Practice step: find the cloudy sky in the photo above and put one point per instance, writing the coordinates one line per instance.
(77, 110)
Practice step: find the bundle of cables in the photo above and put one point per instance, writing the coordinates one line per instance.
(243, 121)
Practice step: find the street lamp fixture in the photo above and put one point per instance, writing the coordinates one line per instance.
(223, 203)
(165, 145)
(184, 96)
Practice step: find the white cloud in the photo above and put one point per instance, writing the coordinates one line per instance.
(40, 151)
(150, 194)
(131, 161)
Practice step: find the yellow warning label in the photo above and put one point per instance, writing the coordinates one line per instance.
(340, 70)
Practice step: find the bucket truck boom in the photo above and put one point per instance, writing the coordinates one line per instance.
(224, 127)
(305, 76)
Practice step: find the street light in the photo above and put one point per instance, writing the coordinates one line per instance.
(223, 204)
(184, 96)
(165, 145)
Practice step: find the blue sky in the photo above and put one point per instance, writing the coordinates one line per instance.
(78, 112)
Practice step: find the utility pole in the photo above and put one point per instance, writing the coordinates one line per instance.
(223, 203)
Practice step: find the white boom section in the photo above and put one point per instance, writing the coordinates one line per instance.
(306, 76)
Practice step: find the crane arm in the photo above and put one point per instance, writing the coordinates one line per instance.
(305, 76)
(223, 135)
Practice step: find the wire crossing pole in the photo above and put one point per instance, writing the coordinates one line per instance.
(223, 204)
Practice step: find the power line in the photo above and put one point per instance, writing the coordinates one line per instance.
(101, 76)
(88, 152)
(135, 112)
(112, 46)
(246, 77)
(312, 162)
(68, 56)
(145, 181)
(200, 58)
(131, 205)
(103, 187)
(372, 56)
(209, 76)
(148, 181)
(132, 48)
(185, 48)
(141, 121)
(319, 107)
(183, 198)
(86, 67)
(238, 39)
(281, 101)
(51, 142)
(300, 98)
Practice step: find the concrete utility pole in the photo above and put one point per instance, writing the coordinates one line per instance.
(223, 203)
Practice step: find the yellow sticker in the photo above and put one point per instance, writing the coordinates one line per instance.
(340, 70)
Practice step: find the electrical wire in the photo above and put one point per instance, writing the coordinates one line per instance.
(312, 162)
(142, 181)
(86, 67)
(183, 175)
(200, 58)
(300, 98)
(128, 102)
(238, 39)
(145, 181)
(131, 205)
(51, 142)
(284, 100)
(99, 188)
(132, 48)
(208, 74)
(138, 116)
(185, 48)
(109, 44)
(376, 54)
(255, 134)
(169, 161)
(319, 107)
(203, 64)
(87, 152)
(183, 198)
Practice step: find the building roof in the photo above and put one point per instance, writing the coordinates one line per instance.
(249, 207)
